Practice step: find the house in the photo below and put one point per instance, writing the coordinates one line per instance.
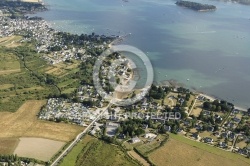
(210, 129)
(208, 140)
(217, 134)
(179, 130)
(218, 118)
(121, 136)
(186, 123)
(144, 126)
(235, 111)
(167, 128)
(205, 112)
(199, 127)
(111, 128)
(224, 135)
(243, 151)
(135, 140)
(222, 145)
(196, 136)
(237, 120)
(150, 135)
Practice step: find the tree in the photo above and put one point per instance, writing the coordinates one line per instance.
(207, 105)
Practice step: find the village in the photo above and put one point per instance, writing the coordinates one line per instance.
(164, 110)
(215, 128)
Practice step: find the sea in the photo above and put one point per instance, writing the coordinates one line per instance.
(205, 51)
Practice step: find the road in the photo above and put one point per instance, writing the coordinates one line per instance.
(191, 109)
(234, 142)
(78, 137)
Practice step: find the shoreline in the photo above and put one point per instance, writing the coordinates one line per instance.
(174, 83)
(120, 39)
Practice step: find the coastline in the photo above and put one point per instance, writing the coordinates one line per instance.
(174, 83)
(121, 39)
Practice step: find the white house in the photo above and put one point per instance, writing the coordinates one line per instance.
(135, 140)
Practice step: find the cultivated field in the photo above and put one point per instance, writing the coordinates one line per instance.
(62, 69)
(38, 148)
(8, 145)
(11, 41)
(9, 63)
(182, 151)
(24, 123)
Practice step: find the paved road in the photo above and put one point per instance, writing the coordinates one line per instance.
(78, 137)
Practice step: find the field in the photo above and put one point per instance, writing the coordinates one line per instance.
(182, 151)
(8, 145)
(96, 152)
(24, 123)
(11, 41)
(62, 69)
(138, 157)
(71, 158)
(38, 148)
(16, 88)
(9, 63)
(148, 147)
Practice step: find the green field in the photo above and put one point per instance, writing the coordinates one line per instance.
(9, 63)
(23, 76)
(11, 41)
(210, 149)
(18, 87)
(91, 151)
(72, 156)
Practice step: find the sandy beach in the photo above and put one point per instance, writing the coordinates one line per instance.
(214, 98)
(32, 1)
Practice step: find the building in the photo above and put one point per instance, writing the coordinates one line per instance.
(135, 140)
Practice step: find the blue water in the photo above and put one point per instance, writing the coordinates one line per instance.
(211, 49)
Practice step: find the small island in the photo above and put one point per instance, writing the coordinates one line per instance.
(196, 6)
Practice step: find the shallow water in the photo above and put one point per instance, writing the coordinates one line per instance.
(211, 49)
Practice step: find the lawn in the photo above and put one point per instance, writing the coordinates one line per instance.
(182, 151)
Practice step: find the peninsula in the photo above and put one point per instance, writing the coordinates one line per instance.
(196, 6)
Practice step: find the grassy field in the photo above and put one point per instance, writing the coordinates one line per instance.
(149, 147)
(9, 63)
(62, 69)
(92, 151)
(182, 151)
(24, 123)
(71, 158)
(16, 88)
(11, 41)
